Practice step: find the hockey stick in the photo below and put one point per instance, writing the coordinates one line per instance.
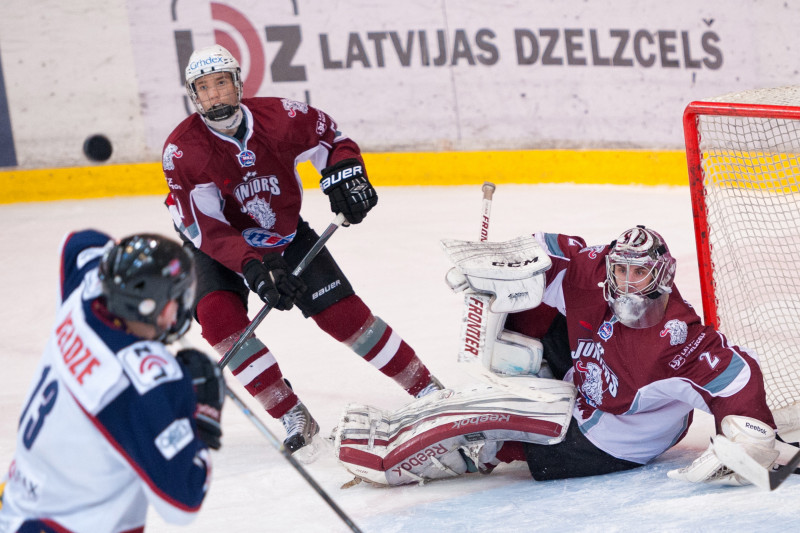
(736, 458)
(312, 253)
(488, 189)
(278, 445)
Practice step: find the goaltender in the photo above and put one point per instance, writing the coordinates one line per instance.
(633, 354)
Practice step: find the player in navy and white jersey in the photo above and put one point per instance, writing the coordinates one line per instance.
(236, 195)
(615, 327)
(112, 422)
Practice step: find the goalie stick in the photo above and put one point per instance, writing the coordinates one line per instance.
(736, 458)
(312, 253)
(488, 189)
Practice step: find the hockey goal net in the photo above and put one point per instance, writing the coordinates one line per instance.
(743, 153)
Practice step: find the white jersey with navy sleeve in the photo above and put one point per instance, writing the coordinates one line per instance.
(107, 428)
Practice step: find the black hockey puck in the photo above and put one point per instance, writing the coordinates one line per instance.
(97, 148)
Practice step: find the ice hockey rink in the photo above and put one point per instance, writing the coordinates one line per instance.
(396, 265)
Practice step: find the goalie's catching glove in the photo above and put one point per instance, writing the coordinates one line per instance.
(755, 437)
(209, 388)
(273, 282)
(349, 190)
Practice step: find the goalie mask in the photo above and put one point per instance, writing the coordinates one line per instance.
(141, 275)
(211, 61)
(639, 276)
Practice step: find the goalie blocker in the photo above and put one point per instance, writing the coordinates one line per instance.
(448, 433)
(498, 278)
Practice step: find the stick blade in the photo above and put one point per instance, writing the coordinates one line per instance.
(779, 475)
(735, 458)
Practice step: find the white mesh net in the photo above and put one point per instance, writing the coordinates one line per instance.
(751, 184)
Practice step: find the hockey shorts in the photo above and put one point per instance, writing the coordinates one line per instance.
(326, 283)
(575, 456)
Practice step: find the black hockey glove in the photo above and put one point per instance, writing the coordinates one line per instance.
(209, 388)
(349, 190)
(273, 282)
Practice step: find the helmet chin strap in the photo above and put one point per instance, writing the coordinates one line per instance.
(228, 123)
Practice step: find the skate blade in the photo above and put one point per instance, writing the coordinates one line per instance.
(311, 451)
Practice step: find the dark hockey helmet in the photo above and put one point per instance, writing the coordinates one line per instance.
(144, 272)
(640, 272)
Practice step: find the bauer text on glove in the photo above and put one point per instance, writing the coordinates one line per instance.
(348, 189)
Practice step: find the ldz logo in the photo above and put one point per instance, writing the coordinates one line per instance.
(233, 28)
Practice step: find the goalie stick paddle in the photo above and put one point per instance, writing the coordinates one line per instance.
(312, 253)
(278, 445)
(737, 459)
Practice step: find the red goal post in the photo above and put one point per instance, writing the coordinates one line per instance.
(743, 155)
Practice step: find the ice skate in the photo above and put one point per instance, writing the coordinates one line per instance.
(432, 386)
(300, 428)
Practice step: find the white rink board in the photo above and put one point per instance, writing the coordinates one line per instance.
(398, 76)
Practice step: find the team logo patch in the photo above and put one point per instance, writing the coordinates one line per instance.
(677, 362)
(677, 331)
(170, 152)
(261, 212)
(261, 238)
(246, 158)
(592, 250)
(606, 330)
(293, 106)
(174, 438)
(146, 369)
(592, 386)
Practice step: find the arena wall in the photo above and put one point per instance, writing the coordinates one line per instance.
(435, 92)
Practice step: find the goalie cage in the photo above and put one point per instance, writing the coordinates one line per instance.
(742, 151)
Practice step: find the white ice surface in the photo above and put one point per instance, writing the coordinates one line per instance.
(397, 267)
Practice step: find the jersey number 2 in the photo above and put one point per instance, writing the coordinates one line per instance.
(45, 401)
(712, 360)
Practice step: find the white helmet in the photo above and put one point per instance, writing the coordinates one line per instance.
(638, 306)
(206, 61)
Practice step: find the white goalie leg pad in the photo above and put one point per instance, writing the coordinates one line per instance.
(421, 441)
(511, 271)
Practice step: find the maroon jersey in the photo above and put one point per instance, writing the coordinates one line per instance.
(638, 387)
(237, 200)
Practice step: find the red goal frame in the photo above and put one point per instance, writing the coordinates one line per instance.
(696, 183)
